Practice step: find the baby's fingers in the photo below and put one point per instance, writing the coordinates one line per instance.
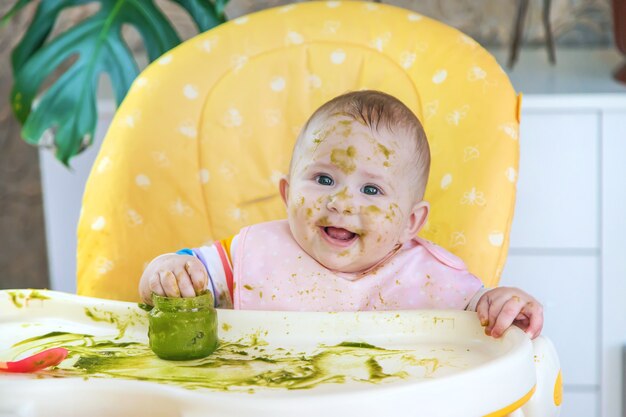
(508, 314)
(197, 272)
(534, 311)
(155, 286)
(495, 309)
(184, 283)
(483, 310)
(169, 284)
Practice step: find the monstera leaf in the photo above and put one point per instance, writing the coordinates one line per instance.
(64, 116)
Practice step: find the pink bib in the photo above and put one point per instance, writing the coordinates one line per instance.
(272, 272)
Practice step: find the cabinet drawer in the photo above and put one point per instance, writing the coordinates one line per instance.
(567, 287)
(557, 200)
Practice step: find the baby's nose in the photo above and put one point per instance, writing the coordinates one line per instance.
(340, 204)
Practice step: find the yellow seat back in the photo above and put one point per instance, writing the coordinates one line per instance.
(196, 149)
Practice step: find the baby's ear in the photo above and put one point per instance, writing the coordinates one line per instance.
(283, 185)
(417, 219)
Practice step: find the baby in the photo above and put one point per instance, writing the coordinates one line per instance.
(354, 198)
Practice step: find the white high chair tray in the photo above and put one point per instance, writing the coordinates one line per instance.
(418, 363)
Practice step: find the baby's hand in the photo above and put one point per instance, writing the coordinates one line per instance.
(173, 275)
(500, 307)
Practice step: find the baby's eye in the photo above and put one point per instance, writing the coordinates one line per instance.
(371, 190)
(324, 180)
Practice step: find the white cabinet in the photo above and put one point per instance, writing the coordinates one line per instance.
(568, 290)
(558, 183)
(568, 240)
(613, 301)
(580, 404)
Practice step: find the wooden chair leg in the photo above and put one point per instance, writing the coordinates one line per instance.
(548, 31)
(522, 10)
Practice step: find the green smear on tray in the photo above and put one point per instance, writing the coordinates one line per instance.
(20, 299)
(236, 366)
(121, 322)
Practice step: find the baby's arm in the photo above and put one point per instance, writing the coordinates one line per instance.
(502, 307)
(173, 275)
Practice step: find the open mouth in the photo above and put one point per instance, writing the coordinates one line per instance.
(339, 236)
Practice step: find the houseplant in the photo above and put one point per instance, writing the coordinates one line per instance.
(64, 116)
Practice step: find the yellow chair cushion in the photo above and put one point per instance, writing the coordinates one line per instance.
(196, 149)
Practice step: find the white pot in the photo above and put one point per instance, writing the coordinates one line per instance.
(62, 199)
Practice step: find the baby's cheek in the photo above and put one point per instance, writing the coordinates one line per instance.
(317, 204)
(392, 214)
(292, 212)
(383, 217)
(373, 216)
(296, 207)
(299, 214)
(304, 207)
(372, 211)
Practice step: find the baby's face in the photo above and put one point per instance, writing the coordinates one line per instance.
(350, 198)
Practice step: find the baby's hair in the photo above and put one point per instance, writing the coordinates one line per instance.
(376, 109)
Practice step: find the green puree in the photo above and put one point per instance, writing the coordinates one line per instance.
(121, 321)
(180, 330)
(242, 365)
(19, 299)
(183, 328)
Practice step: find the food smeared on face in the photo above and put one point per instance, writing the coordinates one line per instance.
(355, 184)
(344, 159)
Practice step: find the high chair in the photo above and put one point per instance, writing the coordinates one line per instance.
(197, 148)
